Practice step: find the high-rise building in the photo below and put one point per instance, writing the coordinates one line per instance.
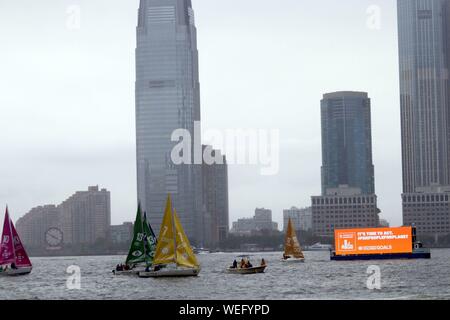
(168, 99)
(86, 216)
(348, 184)
(424, 57)
(301, 218)
(424, 31)
(347, 141)
(215, 198)
(34, 225)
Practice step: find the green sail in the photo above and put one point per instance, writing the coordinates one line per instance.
(137, 249)
(150, 243)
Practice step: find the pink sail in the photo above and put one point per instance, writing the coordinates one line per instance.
(22, 259)
(7, 247)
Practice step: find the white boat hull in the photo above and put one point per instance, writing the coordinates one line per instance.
(293, 260)
(133, 272)
(253, 270)
(16, 272)
(169, 273)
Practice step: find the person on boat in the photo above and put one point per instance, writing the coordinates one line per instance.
(263, 263)
(242, 264)
(13, 266)
(249, 265)
(157, 268)
(235, 265)
(286, 257)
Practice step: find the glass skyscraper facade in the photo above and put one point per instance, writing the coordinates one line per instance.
(424, 56)
(347, 142)
(424, 42)
(167, 99)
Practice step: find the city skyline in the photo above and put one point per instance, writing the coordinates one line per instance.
(299, 133)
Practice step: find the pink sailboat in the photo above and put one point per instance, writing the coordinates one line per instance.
(14, 260)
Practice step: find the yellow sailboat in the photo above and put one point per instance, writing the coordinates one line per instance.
(174, 256)
(292, 250)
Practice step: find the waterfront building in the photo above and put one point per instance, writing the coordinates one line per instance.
(301, 218)
(347, 141)
(122, 234)
(168, 99)
(215, 198)
(34, 225)
(344, 208)
(424, 59)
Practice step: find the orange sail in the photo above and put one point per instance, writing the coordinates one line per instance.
(291, 244)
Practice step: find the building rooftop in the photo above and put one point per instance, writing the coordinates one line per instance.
(347, 94)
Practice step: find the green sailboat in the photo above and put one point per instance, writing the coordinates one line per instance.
(142, 248)
(150, 241)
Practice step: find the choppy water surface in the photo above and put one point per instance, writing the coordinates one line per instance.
(318, 278)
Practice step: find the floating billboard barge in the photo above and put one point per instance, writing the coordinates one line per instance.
(378, 244)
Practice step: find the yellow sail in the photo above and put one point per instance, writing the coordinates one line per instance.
(292, 245)
(185, 256)
(165, 249)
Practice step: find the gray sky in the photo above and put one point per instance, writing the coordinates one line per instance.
(67, 95)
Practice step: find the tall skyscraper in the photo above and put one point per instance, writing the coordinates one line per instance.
(347, 142)
(424, 43)
(424, 55)
(167, 99)
(348, 197)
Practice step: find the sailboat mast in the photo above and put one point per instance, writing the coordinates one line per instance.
(174, 236)
(12, 236)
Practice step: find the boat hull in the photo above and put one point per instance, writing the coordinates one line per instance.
(253, 270)
(16, 272)
(169, 273)
(288, 261)
(133, 272)
(393, 256)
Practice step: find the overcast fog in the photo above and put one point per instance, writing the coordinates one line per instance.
(67, 95)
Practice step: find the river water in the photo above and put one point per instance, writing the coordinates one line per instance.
(317, 278)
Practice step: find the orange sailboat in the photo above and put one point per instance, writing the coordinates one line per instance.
(292, 250)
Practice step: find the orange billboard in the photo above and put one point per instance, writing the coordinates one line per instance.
(373, 241)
